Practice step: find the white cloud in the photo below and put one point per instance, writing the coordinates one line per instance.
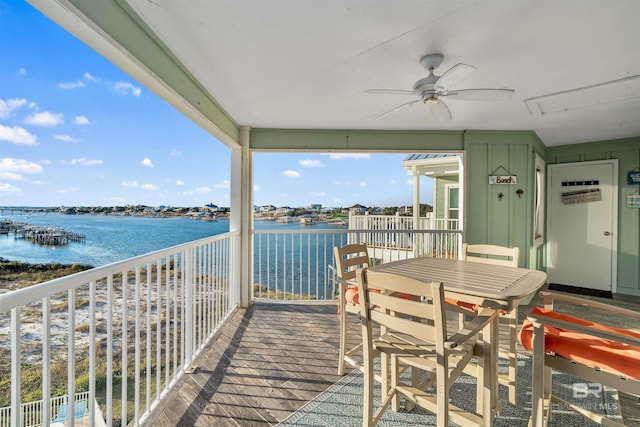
(8, 188)
(66, 190)
(130, 184)
(22, 72)
(71, 85)
(318, 193)
(19, 166)
(17, 135)
(66, 138)
(202, 190)
(392, 181)
(11, 176)
(362, 184)
(311, 163)
(127, 88)
(179, 182)
(81, 120)
(147, 162)
(223, 184)
(337, 201)
(291, 174)
(90, 77)
(45, 162)
(342, 156)
(85, 162)
(175, 153)
(148, 187)
(257, 188)
(7, 106)
(39, 182)
(44, 119)
(409, 182)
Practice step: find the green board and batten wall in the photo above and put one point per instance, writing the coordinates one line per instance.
(627, 151)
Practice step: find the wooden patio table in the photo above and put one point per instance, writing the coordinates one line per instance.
(491, 286)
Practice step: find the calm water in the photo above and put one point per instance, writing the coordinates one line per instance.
(114, 238)
(109, 238)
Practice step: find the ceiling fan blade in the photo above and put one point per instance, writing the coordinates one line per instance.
(453, 75)
(396, 109)
(439, 110)
(392, 92)
(480, 94)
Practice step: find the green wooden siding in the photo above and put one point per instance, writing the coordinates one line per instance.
(441, 183)
(627, 151)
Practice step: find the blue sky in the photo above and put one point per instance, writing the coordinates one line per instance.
(75, 130)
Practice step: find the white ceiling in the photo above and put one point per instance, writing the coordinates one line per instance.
(307, 64)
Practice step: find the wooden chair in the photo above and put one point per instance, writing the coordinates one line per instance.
(348, 258)
(499, 255)
(414, 333)
(596, 353)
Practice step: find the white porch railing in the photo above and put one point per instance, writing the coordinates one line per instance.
(397, 222)
(32, 411)
(124, 333)
(299, 264)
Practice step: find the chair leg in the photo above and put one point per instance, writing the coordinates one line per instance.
(343, 334)
(512, 321)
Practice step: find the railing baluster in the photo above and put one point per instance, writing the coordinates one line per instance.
(71, 355)
(148, 340)
(92, 352)
(137, 326)
(110, 332)
(125, 346)
(15, 368)
(46, 361)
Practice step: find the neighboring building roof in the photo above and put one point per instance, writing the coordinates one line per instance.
(426, 156)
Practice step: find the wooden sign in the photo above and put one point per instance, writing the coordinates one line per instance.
(582, 196)
(502, 179)
(633, 201)
(633, 177)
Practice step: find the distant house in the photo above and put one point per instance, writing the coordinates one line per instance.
(316, 207)
(284, 210)
(357, 209)
(267, 208)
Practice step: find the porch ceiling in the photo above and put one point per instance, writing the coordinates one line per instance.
(307, 65)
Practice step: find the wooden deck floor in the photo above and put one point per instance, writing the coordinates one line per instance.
(270, 360)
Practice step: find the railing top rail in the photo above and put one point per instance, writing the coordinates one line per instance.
(353, 230)
(21, 297)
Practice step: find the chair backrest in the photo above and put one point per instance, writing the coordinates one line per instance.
(491, 254)
(349, 258)
(63, 413)
(80, 408)
(384, 302)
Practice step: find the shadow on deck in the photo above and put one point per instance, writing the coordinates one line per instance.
(273, 358)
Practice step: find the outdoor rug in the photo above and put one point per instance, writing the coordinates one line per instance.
(341, 403)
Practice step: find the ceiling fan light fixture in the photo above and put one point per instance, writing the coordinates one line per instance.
(431, 99)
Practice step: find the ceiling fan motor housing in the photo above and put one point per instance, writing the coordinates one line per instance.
(432, 60)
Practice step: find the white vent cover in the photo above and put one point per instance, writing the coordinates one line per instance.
(602, 93)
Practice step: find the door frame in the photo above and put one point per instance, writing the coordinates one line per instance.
(614, 222)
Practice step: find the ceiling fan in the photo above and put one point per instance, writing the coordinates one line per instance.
(431, 88)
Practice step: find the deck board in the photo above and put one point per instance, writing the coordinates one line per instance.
(271, 359)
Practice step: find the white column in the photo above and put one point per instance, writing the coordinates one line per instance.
(242, 215)
(418, 238)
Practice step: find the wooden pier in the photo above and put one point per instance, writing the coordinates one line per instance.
(42, 235)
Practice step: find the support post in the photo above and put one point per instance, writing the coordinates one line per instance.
(242, 215)
(418, 238)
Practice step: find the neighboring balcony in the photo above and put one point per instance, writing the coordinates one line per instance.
(89, 333)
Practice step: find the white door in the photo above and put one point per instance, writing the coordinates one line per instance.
(582, 224)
